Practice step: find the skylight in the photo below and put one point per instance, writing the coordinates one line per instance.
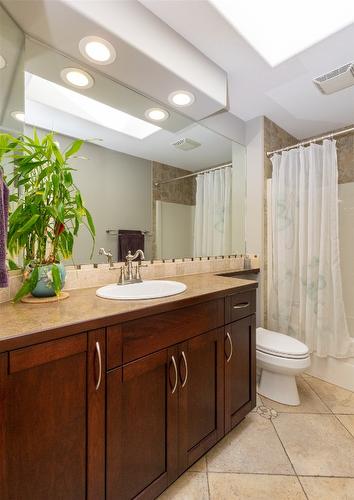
(279, 30)
(51, 94)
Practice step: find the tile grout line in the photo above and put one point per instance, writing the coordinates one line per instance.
(286, 453)
(339, 420)
(278, 474)
(207, 474)
(314, 390)
(330, 409)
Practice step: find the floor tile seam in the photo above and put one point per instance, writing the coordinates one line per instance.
(239, 473)
(283, 446)
(314, 390)
(324, 476)
(207, 477)
(280, 474)
(343, 425)
(301, 412)
(259, 474)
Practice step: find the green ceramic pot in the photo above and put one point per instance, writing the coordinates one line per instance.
(44, 287)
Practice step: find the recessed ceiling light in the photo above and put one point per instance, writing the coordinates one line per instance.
(18, 115)
(156, 114)
(277, 32)
(77, 77)
(181, 98)
(2, 62)
(97, 50)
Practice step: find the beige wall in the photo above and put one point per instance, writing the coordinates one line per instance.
(254, 225)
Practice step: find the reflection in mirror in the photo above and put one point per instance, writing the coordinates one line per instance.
(11, 75)
(12, 47)
(127, 166)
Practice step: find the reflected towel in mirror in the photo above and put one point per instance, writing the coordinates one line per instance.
(4, 210)
(132, 240)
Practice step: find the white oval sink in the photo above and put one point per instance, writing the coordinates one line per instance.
(149, 289)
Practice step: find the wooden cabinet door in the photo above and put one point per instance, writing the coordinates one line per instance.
(142, 401)
(240, 370)
(44, 407)
(201, 395)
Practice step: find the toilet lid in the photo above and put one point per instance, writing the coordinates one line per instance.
(279, 344)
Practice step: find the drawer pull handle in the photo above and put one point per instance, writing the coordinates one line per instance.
(241, 306)
(98, 352)
(186, 366)
(176, 374)
(231, 347)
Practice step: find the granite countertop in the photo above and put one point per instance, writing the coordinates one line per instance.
(24, 324)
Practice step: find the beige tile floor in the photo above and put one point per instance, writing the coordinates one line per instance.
(289, 453)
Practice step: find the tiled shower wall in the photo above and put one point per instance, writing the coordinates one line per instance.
(346, 243)
(182, 191)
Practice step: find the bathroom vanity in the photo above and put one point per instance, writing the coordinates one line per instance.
(111, 399)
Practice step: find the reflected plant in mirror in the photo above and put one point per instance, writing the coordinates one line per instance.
(48, 210)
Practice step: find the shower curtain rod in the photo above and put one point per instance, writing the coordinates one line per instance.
(316, 139)
(156, 184)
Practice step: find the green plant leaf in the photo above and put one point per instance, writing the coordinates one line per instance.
(90, 222)
(56, 279)
(74, 148)
(29, 285)
(12, 265)
(28, 224)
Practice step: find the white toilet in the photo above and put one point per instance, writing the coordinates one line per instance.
(280, 359)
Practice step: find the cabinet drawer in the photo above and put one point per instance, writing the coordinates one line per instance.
(240, 305)
(147, 335)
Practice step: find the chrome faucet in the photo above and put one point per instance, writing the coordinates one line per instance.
(109, 256)
(128, 274)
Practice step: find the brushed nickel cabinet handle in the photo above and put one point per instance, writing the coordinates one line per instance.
(98, 352)
(241, 306)
(176, 374)
(186, 366)
(231, 346)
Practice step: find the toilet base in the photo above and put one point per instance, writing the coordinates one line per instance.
(279, 387)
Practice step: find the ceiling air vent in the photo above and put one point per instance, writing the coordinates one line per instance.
(336, 80)
(186, 144)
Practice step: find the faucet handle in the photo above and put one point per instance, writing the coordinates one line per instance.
(121, 280)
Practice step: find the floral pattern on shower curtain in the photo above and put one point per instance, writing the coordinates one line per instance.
(212, 221)
(306, 299)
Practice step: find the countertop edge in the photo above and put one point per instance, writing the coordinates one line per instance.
(47, 334)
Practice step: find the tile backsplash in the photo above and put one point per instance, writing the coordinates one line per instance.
(90, 276)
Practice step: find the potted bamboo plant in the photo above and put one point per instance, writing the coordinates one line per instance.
(48, 210)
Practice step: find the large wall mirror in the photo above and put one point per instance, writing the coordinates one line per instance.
(138, 167)
(12, 44)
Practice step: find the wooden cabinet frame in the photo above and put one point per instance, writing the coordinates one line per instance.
(186, 376)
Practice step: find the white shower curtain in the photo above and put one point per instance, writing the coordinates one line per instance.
(306, 298)
(212, 223)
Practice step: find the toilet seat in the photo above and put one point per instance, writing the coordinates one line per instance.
(280, 345)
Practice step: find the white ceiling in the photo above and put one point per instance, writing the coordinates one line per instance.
(284, 93)
(151, 57)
